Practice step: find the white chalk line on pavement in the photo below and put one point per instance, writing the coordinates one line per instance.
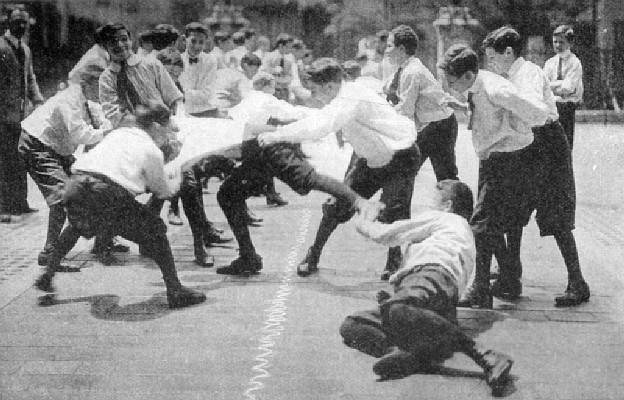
(276, 314)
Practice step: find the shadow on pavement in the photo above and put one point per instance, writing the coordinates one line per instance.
(106, 306)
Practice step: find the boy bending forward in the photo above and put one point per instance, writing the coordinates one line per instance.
(416, 327)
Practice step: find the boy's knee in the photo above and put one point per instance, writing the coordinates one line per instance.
(337, 210)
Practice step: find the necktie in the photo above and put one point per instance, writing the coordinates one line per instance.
(471, 106)
(392, 96)
(560, 69)
(128, 95)
(20, 55)
(91, 121)
(193, 60)
(282, 64)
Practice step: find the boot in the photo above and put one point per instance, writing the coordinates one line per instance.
(496, 367)
(399, 363)
(575, 294)
(184, 297)
(243, 265)
(309, 265)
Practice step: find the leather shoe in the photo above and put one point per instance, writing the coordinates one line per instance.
(44, 283)
(496, 367)
(184, 297)
(508, 289)
(477, 296)
(398, 364)
(385, 276)
(247, 265)
(211, 237)
(575, 294)
(201, 258)
(309, 265)
(5, 218)
(274, 199)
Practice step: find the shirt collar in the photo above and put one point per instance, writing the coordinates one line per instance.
(515, 66)
(131, 61)
(476, 85)
(566, 54)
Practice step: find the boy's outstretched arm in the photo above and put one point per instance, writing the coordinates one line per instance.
(395, 234)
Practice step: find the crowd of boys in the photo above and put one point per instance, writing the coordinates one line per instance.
(386, 104)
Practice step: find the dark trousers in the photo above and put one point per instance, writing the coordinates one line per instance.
(396, 181)
(13, 182)
(437, 142)
(193, 203)
(97, 206)
(418, 318)
(50, 171)
(283, 161)
(567, 119)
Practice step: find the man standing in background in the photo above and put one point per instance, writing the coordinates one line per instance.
(18, 86)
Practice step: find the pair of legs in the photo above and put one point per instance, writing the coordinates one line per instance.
(554, 199)
(98, 206)
(396, 180)
(13, 182)
(283, 161)
(50, 171)
(416, 328)
(437, 142)
(567, 118)
(503, 197)
(203, 231)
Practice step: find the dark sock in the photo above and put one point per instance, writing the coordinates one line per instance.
(567, 247)
(56, 220)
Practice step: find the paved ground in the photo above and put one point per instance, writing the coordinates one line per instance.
(275, 336)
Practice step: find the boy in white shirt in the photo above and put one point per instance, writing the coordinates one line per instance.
(553, 177)
(51, 135)
(565, 73)
(199, 74)
(385, 153)
(100, 198)
(416, 328)
(501, 121)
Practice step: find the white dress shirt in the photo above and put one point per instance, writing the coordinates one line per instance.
(371, 125)
(429, 237)
(129, 157)
(219, 55)
(235, 56)
(63, 122)
(503, 116)
(531, 80)
(570, 88)
(421, 96)
(198, 81)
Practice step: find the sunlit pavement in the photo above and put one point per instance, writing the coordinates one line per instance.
(275, 336)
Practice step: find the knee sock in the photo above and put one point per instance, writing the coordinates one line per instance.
(66, 241)
(567, 247)
(327, 226)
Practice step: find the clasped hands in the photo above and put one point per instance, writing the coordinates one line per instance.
(368, 210)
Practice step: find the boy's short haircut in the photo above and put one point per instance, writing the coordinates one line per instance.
(460, 195)
(221, 37)
(262, 79)
(566, 31)
(170, 57)
(458, 60)
(503, 37)
(164, 35)
(238, 38)
(352, 69)
(283, 38)
(325, 70)
(108, 31)
(145, 37)
(251, 60)
(249, 33)
(406, 37)
(197, 27)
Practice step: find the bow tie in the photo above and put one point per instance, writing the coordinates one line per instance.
(193, 60)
